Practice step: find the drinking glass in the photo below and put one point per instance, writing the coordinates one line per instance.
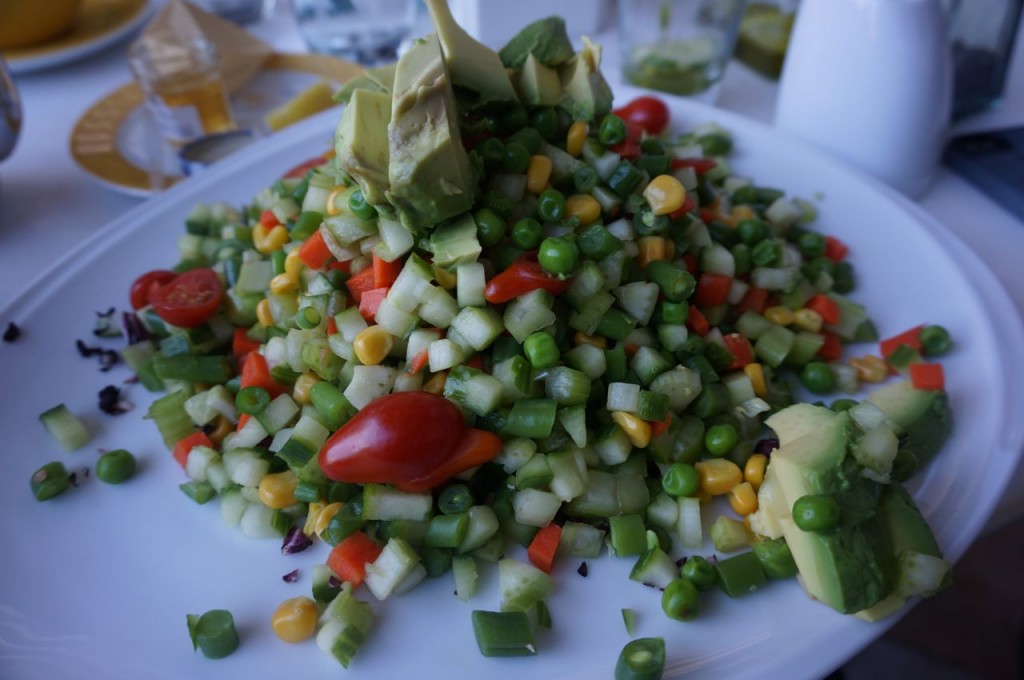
(678, 46)
(365, 31)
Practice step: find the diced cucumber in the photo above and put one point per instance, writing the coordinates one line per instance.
(466, 578)
(65, 427)
(521, 585)
(386, 503)
(395, 563)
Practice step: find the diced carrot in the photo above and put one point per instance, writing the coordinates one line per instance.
(385, 273)
(370, 301)
(332, 326)
(348, 559)
(242, 344)
(243, 418)
(712, 289)
(345, 266)
(927, 376)
(697, 323)
(910, 337)
(185, 446)
(544, 546)
(358, 284)
(268, 219)
(755, 300)
(832, 348)
(659, 426)
(476, 361)
(418, 362)
(835, 249)
(740, 348)
(256, 373)
(314, 251)
(826, 307)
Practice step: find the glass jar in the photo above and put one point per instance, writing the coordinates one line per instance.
(764, 35)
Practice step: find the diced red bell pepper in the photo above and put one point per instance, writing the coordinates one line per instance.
(910, 337)
(835, 249)
(256, 373)
(314, 251)
(689, 203)
(826, 307)
(740, 348)
(832, 348)
(370, 301)
(349, 558)
(927, 376)
(659, 426)
(385, 273)
(696, 322)
(754, 300)
(522, 276)
(699, 165)
(242, 344)
(712, 289)
(544, 546)
(185, 446)
(268, 219)
(359, 284)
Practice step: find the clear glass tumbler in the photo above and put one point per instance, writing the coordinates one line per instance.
(678, 46)
(183, 86)
(365, 31)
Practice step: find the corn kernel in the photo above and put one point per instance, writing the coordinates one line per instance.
(638, 431)
(294, 620)
(702, 496)
(284, 283)
(538, 173)
(263, 314)
(372, 344)
(783, 316)
(445, 278)
(581, 338)
(436, 383)
(325, 516)
(337, 200)
(743, 499)
(583, 206)
(665, 194)
(277, 490)
(755, 372)
(575, 138)
(870, 368)
(740, 213)
(670, 249)
(267, 241)
(222, 427)
(753, 471)
(303, 385)
(293, 264)
(651, 248)
(807, 319)
(313, 511)
(718, 475)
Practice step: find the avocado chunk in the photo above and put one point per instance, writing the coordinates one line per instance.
(924, 416)
(546, 39)
(585, 92)
(472, 65)
(538, 85)
(361, 142)
(850, 568)
(430, 174)
(378, 79)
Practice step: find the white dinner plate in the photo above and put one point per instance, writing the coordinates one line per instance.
(97, 582)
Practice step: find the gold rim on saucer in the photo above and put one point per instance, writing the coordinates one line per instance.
(94, 139)
(97, 21)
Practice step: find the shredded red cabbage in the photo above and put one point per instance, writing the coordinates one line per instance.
(291, 577)
(107, 357)
(583, 570)
(111, 402)
(295, 541)
(766, 446)
(133, 328)
(12, 332)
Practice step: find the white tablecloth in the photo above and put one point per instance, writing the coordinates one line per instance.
(48, 205)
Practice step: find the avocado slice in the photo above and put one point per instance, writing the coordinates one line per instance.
(924, 416)
(431, 176)
(378, 79)
(585, 93)
(472, 65)
(538, 85)
(546, 39)
(361, 142)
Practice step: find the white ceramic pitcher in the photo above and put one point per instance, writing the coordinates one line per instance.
(871, 80)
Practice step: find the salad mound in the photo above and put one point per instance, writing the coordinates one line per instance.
(500, 312)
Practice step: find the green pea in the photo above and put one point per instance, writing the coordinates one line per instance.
(681, 601)
(840, 405)
(612, 130)
(816, 512)
(751, 231)
(527, 233)
(251, 400)
(541, 350)
(517, 158)
(115, 466)
(721, 439)
(699, 571)
(500, 203)
(492, 150)
(558, 255)
(357, 203)
(490, 228)
(545, 121)
(515, 119)
(715, 144)
(817, 377)
(811, 244)
(935, 341)
(551, 205)
(680, 479)
(50, 480)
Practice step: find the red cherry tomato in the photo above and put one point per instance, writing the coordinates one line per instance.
(300, 169)
(649, 113)
(523, 276)
(189, 299)
(414, 440)
(147, 284)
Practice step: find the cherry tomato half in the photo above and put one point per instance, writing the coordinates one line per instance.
(147, 284)
(189, 299)
(300, 169)
(649, 113)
